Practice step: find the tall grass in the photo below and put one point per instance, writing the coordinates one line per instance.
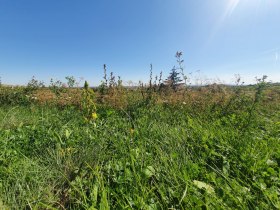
(206, 148)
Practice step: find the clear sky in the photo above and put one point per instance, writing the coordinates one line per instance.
(219, 38)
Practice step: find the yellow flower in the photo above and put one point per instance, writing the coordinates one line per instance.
(61, 152)
(131, 131)
(69, 150)
(94, 115)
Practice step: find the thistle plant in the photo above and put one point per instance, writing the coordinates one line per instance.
(261, 85)
(105, 75)
(160, 83)
(70, 81)
(151, 76)
(150, 88)
(56, 86)
(180, 62)
(34, 85)
(103, 87)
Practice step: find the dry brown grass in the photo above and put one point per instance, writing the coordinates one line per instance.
(200, 97)
(70, 96)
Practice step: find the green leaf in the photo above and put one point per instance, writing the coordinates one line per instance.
(149, 171)
(201, 185)
(67, 133)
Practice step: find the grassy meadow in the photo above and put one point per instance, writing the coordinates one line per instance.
(149, 147)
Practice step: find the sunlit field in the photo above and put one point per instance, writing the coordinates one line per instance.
(148, 147)
(97, 113)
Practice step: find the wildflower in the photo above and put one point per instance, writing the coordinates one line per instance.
(131, 131)
(94, 115)
(69, 150)
(61, 152)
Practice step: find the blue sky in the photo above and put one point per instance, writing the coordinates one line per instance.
(219, 38)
